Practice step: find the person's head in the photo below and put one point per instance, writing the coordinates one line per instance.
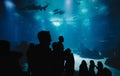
(44, 37)
(92, 62)
(61, 39)
(100, 64)
(55, 45)
(84, 62)
(67, 51)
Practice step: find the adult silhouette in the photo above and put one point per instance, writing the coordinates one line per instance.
(60, 42)
(83, 69)
(58, 50)
(100, 68)
(9, 61)
(70, 62)
(58, 59)
(40, 55)
(5, 64)
(91, 68)
(107, 72)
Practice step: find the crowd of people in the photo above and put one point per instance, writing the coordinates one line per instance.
(101, 70)
(46, 61)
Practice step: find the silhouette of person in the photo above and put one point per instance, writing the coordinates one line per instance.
(69, 64)
(100, 68)
(83, 69)
(58, 59)
(40, 56)
(107, 72)
(9, 61)
(60, 42)
(4, 57)
(60, 54)
(91, 68)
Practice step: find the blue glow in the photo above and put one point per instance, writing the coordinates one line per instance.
(9, 4)
(68, 8)
(93, 0)
(103, 9)
(16, 14)
(68, 2)
(56, 23)
(86, 22)
(38, 18)
(80, 15)
(84, 10)
(25, 67)
(89, 24)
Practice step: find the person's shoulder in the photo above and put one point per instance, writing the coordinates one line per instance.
(36, 46)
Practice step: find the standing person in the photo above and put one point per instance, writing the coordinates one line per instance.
(100, 68)
(91, 68)
(70, 62)
(61, 40)
(40, 55)
(83, 69)
(107, 72)
(58, 59)
(9, 60)
(61, 52)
